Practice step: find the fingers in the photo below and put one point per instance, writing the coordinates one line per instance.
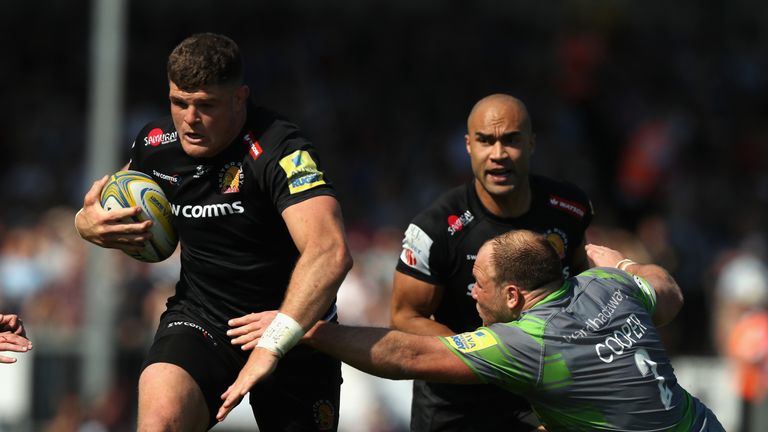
(7, 360)
(14, 342)
(244, 320)
(248, 329)
(93, 196)
(602, 256)
(232, 398)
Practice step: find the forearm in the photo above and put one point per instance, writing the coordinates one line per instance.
(669, 296)
(314, 284)
(390, 353)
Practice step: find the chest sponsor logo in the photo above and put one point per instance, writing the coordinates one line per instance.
(157, 137)
(208, 210)
(172, 179)
(301, 171)
(416, 247)
(457, 223)
(254, 149)
(573, 208)
(474, 341)
(231, 178)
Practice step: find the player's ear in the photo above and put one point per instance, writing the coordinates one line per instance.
(512, 295)
(466, 141)
(533, 142)
(242, 93)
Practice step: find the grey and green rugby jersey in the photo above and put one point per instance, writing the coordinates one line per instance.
(587, 357)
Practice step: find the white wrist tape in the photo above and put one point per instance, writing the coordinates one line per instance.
(281, 335)
(623, 264)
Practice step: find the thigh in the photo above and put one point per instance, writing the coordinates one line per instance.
(206, 364)
(169, 399)
(301, 395)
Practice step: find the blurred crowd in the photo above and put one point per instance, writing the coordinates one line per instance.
(657, 110)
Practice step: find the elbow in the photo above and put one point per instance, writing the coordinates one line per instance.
(340, 259)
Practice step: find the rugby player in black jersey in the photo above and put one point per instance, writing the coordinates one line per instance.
(433, 280)
(261, 237)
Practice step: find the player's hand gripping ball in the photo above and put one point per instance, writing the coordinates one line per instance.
(133, 188)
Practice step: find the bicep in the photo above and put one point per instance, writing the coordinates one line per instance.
(316, 220)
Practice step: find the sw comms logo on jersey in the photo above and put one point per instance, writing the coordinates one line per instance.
(472, 341)
(457, 223)
(570, 207)
(254, 149)
(231, 177)
(157, 137)
(301, 171)
(172, 179)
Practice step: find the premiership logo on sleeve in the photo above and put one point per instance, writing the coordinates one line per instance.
(301, 171)
(416, 245)
(474, 341)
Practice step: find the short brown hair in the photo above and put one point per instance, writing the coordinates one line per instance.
(524, 258)
(205, 59)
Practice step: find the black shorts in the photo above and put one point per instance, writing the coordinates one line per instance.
(302, 394)
(468, 408)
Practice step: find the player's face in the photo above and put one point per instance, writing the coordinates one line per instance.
(491, 300)
(500, 146)
(208, 119)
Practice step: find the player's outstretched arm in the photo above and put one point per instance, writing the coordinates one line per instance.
(669, 296)
(412, 305)
(109, 229)
(390, 353)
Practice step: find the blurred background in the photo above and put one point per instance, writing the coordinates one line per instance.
(658, 110)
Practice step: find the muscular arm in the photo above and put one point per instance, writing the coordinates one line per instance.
(669, 296)
(318, 232)
(391, 354)
(413, 303)
(317, 229)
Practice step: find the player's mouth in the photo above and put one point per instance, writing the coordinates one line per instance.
(194, 138)
(499, 175)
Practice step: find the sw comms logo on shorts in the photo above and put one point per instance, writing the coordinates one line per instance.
(301, 171)
(231, 177)
(157, 137)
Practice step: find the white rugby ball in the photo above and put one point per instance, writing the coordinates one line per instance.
(134, 188)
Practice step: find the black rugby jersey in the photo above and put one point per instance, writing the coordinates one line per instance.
(440, 247)
(441, 243)
(236, 252)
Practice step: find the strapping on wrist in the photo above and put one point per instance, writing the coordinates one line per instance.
(623, 264)
(281, 335)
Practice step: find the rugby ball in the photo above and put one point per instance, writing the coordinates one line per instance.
(131, 189)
